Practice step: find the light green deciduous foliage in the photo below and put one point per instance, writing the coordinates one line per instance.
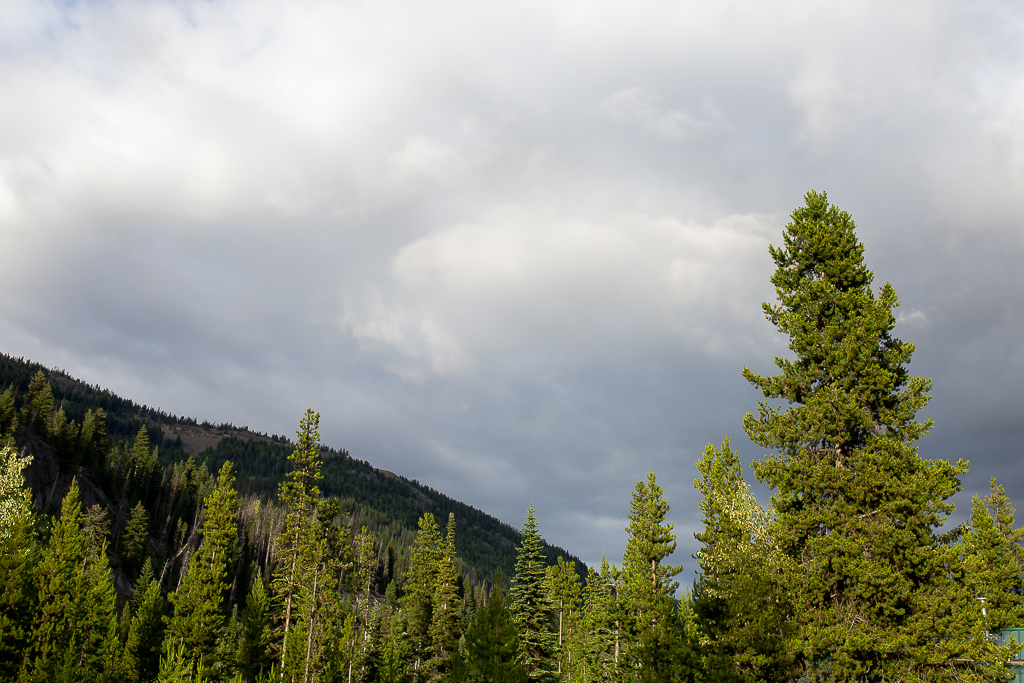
(531, 606)
(856, 508)
(994, 560)
(16, 560)
(740, 608)
(198, 603)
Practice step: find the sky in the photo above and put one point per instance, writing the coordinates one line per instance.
(514, 250)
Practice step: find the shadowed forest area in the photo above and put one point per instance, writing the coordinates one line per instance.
(138, 546)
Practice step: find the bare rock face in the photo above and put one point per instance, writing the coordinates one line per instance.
(50, 482)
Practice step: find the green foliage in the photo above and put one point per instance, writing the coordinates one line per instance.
(145, 618)
(492, 645)
(420, 586)
(37, 412)
(856, 508)
(135, 539)
(75, 633)
(739, 606)
(17, 547)
(296, 545)
(647, 584)
(993, 560)
(446, 621)
(531, 606)
(198, 603)
(252, 656)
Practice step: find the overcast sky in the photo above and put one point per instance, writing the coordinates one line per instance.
(514, 250)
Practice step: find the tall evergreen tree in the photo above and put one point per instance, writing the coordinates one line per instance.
(199, 614)
(647, 586)
(994, 559)
(296, 545)
(531, 606)
(857, 508)
(145, 618)
(253, 656)
(446, 620)
(566, 594)
(421, 584)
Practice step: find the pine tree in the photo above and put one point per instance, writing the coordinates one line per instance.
(738, 604)
(296, 545)
(145, 619)
(647, 586)
(598, 629)
(994, 559)
(198, 603)
(857, 508)
(531, 606)
(566, 595)
(421, 584)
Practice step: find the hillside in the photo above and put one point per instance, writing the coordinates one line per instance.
(387, 503)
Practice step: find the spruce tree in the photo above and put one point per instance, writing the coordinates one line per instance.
(445, 626)
(857, 508)
(531, 606)
(198, 603)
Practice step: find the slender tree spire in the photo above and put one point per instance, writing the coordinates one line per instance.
(531, 606)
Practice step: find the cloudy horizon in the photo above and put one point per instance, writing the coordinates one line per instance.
(515, 251)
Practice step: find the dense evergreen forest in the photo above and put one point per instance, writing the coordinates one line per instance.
(126, 557)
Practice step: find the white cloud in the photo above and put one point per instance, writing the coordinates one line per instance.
(645, 108)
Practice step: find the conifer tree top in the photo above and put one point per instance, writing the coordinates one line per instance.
(848, 381)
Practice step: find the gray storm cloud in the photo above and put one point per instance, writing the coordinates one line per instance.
(514, 250)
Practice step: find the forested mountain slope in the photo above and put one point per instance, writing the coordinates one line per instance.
(387, 503)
